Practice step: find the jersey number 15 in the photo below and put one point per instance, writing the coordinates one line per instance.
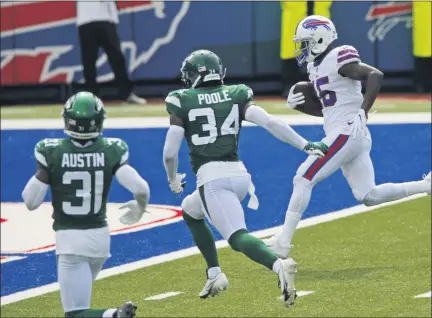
(327, 97)
(229, 127)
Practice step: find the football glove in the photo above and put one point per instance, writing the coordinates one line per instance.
(177, 185)
(294, 99)
(316, 149)
(358, 124)
(134, 212)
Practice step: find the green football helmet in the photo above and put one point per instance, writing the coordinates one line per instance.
(83, 116)
(202, 66)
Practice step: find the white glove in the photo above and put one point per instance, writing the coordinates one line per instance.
(133, 214)
(294, 99)
(178, 185)
(358, 124)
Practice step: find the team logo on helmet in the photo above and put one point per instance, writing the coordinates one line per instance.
(313, 24)
(386, 16)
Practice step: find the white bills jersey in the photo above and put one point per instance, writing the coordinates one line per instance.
(340, 96)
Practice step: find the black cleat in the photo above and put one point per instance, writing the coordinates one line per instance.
(126, 311)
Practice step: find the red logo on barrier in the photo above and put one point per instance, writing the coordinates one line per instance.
(387, 16)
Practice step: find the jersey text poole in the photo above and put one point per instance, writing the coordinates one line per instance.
(213, 98)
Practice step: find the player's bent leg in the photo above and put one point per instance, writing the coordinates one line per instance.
(193, 216)
(312, 171)
(96, 265)
(221, 199)
(75, 280)
(252, 247)
(257, 251)
(361, 177)
(395, 191)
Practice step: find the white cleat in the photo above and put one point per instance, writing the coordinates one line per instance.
(274, 245)
(428, 178)
(214, 286)
(135, 99)
(286, 281)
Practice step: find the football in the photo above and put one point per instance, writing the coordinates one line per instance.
(312, 105)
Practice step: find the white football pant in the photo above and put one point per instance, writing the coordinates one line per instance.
(220, 202)
(76, 275)
(353, 157)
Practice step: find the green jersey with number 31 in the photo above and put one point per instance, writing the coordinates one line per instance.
(80, 179)
(212, 119)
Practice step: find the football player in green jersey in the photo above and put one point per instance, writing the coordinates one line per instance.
(79, 170)
(209, 115)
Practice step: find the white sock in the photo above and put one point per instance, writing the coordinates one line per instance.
(109, 313)
(292, 219)
(277, 266)
(298, 203)
(212, 272)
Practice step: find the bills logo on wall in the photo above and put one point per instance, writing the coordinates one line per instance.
(386, 17)
(39, 42)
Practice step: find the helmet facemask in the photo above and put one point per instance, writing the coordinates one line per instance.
(303, 51)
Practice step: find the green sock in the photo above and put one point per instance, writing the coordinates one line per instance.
(88, 313)
(252, 247)
(203, 239)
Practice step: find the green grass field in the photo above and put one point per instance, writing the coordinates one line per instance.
(153, 109)
(367, 265)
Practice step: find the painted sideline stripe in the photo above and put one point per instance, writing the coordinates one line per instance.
(163, 122)
(300, 293)
(163, 296)
(425, 295)
(38, 291)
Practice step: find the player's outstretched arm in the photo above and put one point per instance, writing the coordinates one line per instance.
(171, 149)
(36, 188)
(364, 72)
(129, 178)
(282, 130)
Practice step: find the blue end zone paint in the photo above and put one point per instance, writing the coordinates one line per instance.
(400, 153)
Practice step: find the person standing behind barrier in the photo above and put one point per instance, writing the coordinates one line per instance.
(97, 27)
(292, 13)
(422, 46)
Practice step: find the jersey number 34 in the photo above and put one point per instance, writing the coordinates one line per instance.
(229, 127)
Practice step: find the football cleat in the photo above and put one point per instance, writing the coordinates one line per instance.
(428, 178)
(214, 286)
(286, 281)
(126, 311)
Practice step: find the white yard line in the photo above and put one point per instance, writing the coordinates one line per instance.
(30, 293)
(300, 293)
(425, 295)
(163, 296)
(163, 122)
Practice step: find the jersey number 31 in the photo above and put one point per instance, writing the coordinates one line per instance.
(85, 193)
(229, 127)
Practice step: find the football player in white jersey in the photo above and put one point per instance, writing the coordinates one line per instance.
(336, 73)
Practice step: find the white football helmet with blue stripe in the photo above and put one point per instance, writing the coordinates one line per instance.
(313, 36)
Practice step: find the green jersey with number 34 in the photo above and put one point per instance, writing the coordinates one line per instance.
(80, 179)
(212, 119)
